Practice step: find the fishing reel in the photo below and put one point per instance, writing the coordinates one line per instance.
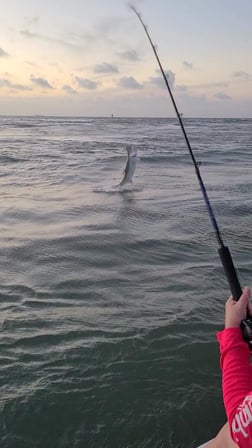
(246, 326)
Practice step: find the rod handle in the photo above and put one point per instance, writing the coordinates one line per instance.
(230, 272)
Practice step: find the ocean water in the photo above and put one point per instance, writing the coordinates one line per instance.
(110, 299)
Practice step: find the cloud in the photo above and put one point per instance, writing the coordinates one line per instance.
(3, 54)
(130, 55)
(243, 76)
(159, 80)
(52, 40)
(41, 82)
(79, 69)
(28, 33)
(32, 20)
(31, 63)
(86, 83)
(187, 65)
(134, 3)
(68, 89)
(6, 83)
(222, 96)
(210, 85)
(104, 32)
(128, 82)
(105, 68)
(181, 88)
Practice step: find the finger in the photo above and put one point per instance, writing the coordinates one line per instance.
(247, 291)
(244, 299)
(250, 309)
(245, 295)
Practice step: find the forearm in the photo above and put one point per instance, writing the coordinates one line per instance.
(237, 384)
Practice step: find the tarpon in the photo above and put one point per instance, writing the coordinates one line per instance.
(130, 165)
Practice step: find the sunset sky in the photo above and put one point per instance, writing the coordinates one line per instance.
(92, 58)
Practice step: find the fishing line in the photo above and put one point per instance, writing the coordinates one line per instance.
(223, 250)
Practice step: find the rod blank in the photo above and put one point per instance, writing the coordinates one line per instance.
(223, 250)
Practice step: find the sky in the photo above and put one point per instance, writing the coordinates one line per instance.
(92, 58)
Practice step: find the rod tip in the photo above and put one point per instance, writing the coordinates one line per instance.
(133, 8)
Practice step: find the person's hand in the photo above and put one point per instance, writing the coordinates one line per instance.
(236, 311)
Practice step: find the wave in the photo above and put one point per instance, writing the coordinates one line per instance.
(5, 159)
(109, 295)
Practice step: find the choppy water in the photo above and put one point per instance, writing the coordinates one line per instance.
(110, 300)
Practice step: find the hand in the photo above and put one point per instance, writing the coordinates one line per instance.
(236, 311)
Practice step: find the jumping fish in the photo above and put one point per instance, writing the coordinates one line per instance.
(130, 165)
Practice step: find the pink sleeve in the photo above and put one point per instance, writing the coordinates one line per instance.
(237, 385)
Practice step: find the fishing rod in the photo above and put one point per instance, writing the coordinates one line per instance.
(223, 250)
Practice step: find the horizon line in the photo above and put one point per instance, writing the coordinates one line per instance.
(125, 116)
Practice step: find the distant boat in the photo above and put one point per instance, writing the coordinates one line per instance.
(112, 115)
